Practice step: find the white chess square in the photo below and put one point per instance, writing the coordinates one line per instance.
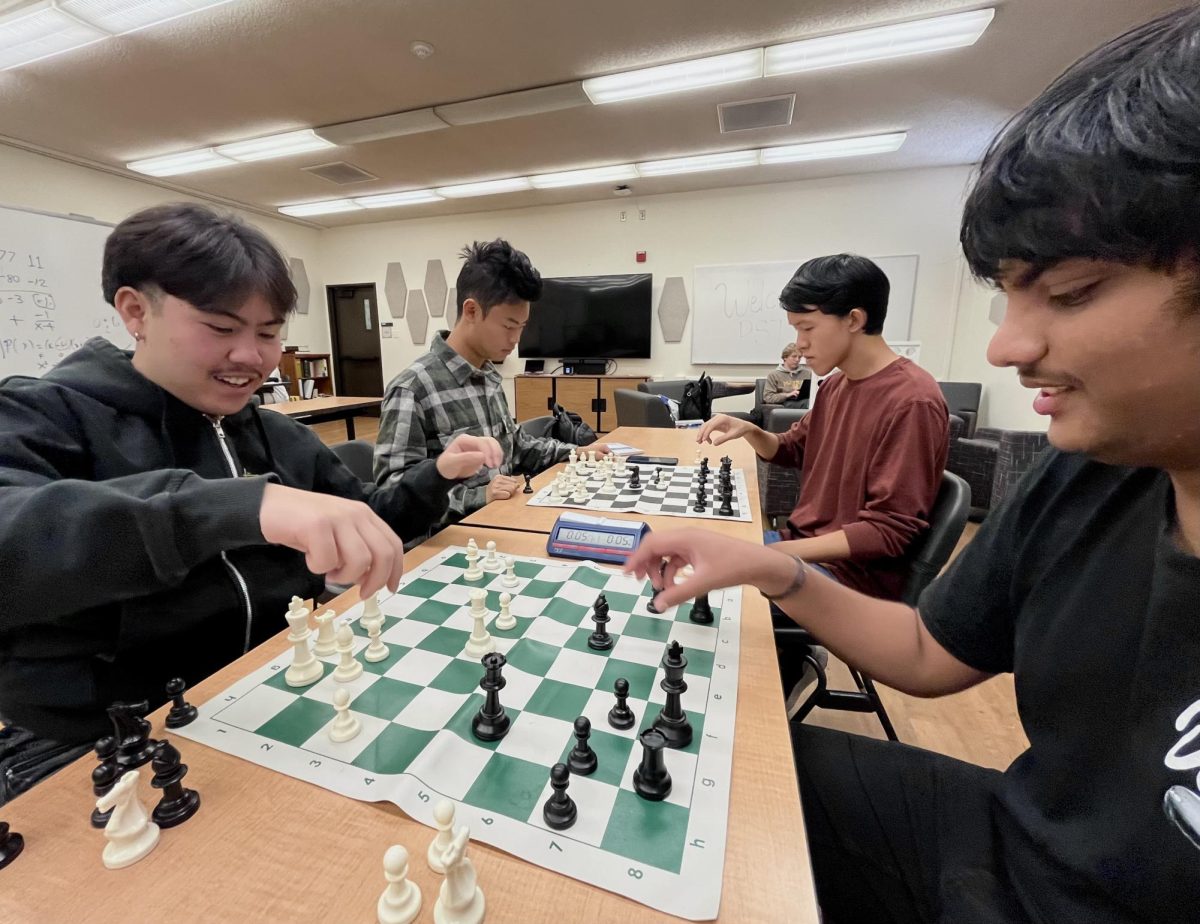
(601, 701)
(616, 622)
(691, 635)
(694, 698)
(458, 594)
(407, 632)
(443, 574)
(449, 765)
(323, 689)
(418, 667)
(256, 707)
(575, 667)
(346, 751)
(582, 594)
(463, 620)
(519, 687)
(594, 801)
(638, 650)
(400, 605)
(431, 709)
(550, 631)
(538, 739)
(681, 766)
(624, 584)
(527, 607)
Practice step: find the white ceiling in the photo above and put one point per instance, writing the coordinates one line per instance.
(256, 67)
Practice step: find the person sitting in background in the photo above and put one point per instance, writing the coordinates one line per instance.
(784, 383)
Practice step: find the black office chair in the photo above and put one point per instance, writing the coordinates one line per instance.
(538, 426)
(928, 556)
(640, 409)
(358, 456)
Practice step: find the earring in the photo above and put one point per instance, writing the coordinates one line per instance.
(138, 336)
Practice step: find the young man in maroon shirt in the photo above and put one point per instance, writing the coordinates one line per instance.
(872, 449)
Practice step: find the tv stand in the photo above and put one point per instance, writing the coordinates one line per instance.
(584, 366)
(589, 396)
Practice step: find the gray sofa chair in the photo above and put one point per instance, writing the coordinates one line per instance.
(962, 399)
(992, 461)
(641, 409)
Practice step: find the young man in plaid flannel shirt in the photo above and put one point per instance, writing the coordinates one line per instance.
(455, 388)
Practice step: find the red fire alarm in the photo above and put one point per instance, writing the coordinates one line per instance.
(641, 256)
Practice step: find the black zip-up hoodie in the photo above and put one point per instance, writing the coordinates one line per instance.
(130, 553)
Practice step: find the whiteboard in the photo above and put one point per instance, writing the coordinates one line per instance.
(50, 297)
(737, 318)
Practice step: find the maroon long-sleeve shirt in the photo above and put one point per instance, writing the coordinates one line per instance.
(871, 454)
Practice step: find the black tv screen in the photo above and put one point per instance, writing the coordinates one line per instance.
(606, 317)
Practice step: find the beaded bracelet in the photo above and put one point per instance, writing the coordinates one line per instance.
(797, 583)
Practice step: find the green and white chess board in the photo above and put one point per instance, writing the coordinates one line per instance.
(416, 745)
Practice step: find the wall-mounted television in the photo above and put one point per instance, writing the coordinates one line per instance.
(605, 317)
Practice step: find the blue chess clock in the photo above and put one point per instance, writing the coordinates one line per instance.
(576, 535)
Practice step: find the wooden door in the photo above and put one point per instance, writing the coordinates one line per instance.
(354, 331)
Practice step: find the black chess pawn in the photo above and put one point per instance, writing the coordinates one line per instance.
(672, 721)
(11, 845)
(582, 759)
(104, 776)
(650, 778)
(559, 810)
(701, 611)
(726, 508)
(491, 722)
(701, 497)
(600, 640)
(178, 803)
(182, 712)
(620, 715)
(528, 489)
(135, 747)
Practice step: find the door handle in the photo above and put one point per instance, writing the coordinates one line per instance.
(367, 313)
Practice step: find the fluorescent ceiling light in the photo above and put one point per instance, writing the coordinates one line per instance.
(283, 145)
(673, 78)
(122, 16)
(876, 44)
(413, 122)
(320, 208)
(186, 162)
(485, 188)
(409, 197)
(838, 147)
(582, 177)
(699, 163)
(41, 31)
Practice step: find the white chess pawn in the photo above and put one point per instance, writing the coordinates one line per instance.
(481, 641)
(510, 572)
(345, 725)
(506, 620)
(401, 900)
(492, 562)
(473, 572)
(580, 496)
(556, 489)
(609, 485)
(348, 669)
(443, 817)
(460, 900)
(130, 832)
(326, 641)
(305, 668)
(377, 650)
(592, 458)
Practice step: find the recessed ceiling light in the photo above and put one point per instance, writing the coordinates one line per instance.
(674, 78)
(408, 197)
(838, 147)
(270, 146)
(485, 188)
(582, 177)
(320, 208)
(698, 164)
(185, 162)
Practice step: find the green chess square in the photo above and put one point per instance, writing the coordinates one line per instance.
(456, 560)
(543, 590)
(434, 611)
(508, 786)
(619, 602)
(527, 569)
(297, 722)
(700, 662)
(640, 677)
(459, 677)
(590, 577)
(445, 641)
(422, 587)
(385, 698)
(683, 614)
(393, 749)
(579, 642)
(650, 832)
(358, 628)
(558, 700)
(566, 612)
(532, 657)
(516, 631)
(647, 627)
(395, 653)
(460, 724)
(276, 679)
(612, 755)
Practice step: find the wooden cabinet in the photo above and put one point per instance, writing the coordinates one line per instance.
(589, 396)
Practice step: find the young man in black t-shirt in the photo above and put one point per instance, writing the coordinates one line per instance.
(1085, 584)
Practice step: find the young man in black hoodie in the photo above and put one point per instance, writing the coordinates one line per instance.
(153, 523)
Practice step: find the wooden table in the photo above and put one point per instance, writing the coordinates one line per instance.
(267, 847)
(316, 410)
(515, 513)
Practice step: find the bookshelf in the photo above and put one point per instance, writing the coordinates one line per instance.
(307, 367)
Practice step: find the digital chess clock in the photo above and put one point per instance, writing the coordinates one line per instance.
(576, 535)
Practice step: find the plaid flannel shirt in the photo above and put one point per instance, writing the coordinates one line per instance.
(440, 396)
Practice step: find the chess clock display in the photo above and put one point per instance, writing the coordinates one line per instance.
(595, 538)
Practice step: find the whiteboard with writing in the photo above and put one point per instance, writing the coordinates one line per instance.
(50, 297)
(737, 319)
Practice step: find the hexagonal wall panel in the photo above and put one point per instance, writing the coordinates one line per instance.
(396, 290)
(673, 309)
(300, 280)
(452, 305)
(435, 288)
(997, 308)
(417, 316)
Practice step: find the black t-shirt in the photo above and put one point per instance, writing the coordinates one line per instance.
(1076, 586)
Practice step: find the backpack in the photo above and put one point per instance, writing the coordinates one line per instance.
(697, 399)
(570, 428)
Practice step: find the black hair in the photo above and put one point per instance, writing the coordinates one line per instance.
(212, 261)
(1104, 164)
(837, 285)
(496, 273)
